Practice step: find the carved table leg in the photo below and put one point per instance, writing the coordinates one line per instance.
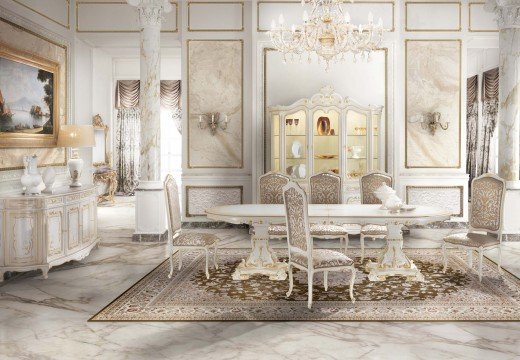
(262, 260)
(393, 261)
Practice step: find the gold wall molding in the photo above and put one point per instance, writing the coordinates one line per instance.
(209, 187)
(190, 3)
(457, 29)
(407, 41)
(264, 107)
(428, 187)
(259, 3)
(66, 25)
(241, 41)
(470, 24)
(79, 3)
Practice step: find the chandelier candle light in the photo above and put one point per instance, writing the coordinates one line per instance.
(328, 33)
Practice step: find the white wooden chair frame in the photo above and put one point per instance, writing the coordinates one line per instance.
(174, 232)
(310, 265)
(471, 229)
(361, 235)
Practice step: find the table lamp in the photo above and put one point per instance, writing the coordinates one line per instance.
(75, 136)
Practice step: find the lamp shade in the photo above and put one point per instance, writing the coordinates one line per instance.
(76, 136)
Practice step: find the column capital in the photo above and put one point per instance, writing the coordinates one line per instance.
(151, 11)
(507, 12)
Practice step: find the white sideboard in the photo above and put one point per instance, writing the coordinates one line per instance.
(42, 231)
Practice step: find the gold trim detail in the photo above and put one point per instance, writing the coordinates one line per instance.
(216, 3)
(78, 3)
(223, 187)
(241, 166)
(406, 106)
(264, 100)
(66, 26)
(258, 29)
(432, 3)
(461, 188)
(469, 19)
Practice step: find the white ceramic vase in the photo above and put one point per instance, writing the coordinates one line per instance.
(48, 176)
(31, 179)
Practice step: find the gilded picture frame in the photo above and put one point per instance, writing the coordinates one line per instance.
(38, 126)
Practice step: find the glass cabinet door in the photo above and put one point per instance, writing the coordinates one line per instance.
(296, 144)
(376, 141)
(326, 131)
(275, 142)
(356, 144)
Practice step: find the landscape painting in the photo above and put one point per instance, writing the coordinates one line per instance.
(27, 101)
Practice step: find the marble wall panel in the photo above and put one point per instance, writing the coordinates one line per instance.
(19, 38)
(200, 198)
(433, 84)
(215, 84)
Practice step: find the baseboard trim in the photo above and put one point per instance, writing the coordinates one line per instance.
(151, 237)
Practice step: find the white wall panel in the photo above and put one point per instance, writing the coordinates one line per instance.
(480, 19)
(433, 16)
(293, 11)
(115, 17)
(217, 16)
(54, 10)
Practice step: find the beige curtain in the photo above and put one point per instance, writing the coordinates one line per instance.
(472, 127)
(490, 86)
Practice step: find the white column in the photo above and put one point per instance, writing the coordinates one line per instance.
(150, 214)
(508, 18)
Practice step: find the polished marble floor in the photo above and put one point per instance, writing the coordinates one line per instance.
(47, 319)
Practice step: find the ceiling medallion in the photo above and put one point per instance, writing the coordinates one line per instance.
(327, 33)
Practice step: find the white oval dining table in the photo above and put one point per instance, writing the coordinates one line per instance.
(263, 260)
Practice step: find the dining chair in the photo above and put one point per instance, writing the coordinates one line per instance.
(302, 254)
(369, 183)
(270, 187)
(180, 240)
(325, 188)
(485, 221)
(331, 194)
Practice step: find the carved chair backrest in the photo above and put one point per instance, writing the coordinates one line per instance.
(297, 218)
(487, 203)
(270, 188)
(171, 192)
(371, 182)
(325, 188)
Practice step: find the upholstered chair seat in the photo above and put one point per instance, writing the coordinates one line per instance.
(373, 229)
(179, 239)
(369, 183)
(485, 222)
(475, 240)
(316, 230)
(194, 239)
(302, 254)
(323, 258)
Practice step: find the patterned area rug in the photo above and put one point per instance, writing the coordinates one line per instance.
(189, 296)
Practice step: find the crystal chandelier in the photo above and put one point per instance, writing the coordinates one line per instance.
(328, 33)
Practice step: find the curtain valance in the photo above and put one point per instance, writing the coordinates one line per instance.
(127, 94)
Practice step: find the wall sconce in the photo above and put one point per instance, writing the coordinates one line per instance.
(213, 121)
(430, 122)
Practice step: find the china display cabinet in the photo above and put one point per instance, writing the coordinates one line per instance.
(327, 132)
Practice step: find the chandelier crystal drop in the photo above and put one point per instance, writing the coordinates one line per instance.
(326, 32)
